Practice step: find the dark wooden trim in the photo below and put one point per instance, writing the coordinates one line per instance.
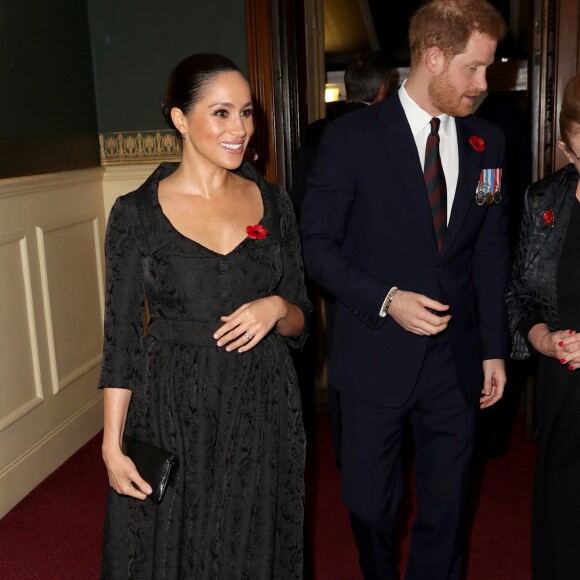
(289, 60)
(260, 76)
(567, 64)
(555, 58)
(535, 100)
(542, 70)
(276, 62)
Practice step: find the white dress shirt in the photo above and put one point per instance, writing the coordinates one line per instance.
(419, 121)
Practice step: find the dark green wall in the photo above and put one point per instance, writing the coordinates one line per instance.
(136, 43)
(73, 69)
(48, 119)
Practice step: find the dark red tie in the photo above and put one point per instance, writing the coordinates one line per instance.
(435, 182)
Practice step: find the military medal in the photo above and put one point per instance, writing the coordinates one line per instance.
(480, 194)
(483, 190)
(488, 189)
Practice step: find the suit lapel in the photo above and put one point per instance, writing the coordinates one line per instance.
(402, 150)
(470, 166)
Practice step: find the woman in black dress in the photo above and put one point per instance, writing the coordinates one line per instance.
(544, 308)
(211, 251)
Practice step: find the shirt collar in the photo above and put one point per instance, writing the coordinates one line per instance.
(417, 117)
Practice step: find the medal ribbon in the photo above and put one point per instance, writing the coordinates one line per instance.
(488, 180)
(496, 179)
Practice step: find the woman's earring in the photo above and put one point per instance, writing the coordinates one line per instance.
(184, 135)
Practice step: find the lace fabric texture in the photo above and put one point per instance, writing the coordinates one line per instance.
(531, 295)
(233, 419)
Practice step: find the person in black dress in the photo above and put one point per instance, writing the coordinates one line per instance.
(544, 307)
(211, 251)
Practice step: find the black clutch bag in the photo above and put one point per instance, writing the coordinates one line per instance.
(156, 466)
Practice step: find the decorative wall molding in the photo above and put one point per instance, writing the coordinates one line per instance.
(19, 477)
(16, 413)
(132, 173)
(60, 383)
(130, 147)
(120, 179)
(51, 237)
(48, 182)
(19, 412)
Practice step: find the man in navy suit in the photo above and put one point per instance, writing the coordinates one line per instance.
(420, 331)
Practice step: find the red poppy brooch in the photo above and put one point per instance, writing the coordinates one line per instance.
(256, 232)
(549, 218)
(477, 143)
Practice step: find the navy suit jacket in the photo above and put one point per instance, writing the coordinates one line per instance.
(306, 154)
(367, 226)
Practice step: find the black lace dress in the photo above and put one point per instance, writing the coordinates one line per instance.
(233, 419)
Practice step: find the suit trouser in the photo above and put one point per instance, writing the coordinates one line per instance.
(443, 427)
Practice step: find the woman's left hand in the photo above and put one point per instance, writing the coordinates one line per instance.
(249, 324)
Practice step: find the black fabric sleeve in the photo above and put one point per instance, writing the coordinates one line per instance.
(291, 287)
(523, 312)
(527, 325)
(124, 300)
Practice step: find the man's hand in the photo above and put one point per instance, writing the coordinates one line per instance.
(413, 312)
(494, 380)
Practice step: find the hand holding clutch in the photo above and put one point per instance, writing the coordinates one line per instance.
(159, 468)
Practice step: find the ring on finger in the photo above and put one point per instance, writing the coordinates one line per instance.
(249, 336)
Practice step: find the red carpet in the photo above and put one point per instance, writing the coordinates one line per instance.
(55, 532)
(499, 545)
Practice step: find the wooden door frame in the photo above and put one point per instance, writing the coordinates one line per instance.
(555, 58)
(277, 75)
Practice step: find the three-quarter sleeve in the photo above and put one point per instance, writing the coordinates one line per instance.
(291, 286)
(124, 300)
(523, 312)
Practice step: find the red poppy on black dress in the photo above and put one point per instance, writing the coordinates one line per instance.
(256, 232)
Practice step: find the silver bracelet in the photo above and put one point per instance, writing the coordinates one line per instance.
(387, 303)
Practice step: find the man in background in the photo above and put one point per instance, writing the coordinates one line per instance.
(366, 81)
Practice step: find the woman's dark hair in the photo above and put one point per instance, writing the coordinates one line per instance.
(189, 79)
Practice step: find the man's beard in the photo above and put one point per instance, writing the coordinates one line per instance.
(446, 99)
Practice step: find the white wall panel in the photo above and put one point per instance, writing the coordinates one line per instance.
(51, 310)
(17, 333)
(70, 265)
(51, 304)
(123, 179)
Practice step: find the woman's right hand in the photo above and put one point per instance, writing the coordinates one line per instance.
(123, 475)
(563, 345)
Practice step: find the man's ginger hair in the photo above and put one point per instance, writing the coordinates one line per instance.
(449, 24)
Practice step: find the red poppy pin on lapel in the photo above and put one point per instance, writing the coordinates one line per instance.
(477, 143)
(256, 232)
(549, 218)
